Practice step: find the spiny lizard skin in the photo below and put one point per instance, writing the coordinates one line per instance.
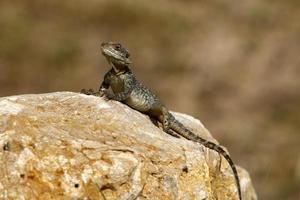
(128, 90)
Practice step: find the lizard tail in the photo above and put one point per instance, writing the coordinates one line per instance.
(180, 128)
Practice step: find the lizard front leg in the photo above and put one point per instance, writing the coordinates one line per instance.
(103, 87)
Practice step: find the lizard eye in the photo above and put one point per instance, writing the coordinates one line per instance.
(118, 47)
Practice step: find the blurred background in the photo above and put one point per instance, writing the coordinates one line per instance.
(233, 64)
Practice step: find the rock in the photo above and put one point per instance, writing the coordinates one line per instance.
(72, 146)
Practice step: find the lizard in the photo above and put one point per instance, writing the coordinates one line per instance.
(127, 89)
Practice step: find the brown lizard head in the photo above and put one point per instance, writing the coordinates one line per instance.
(116, 55)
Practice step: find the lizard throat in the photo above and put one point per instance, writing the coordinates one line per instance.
(119, 69)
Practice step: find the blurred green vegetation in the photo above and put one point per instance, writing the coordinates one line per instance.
(234, 65)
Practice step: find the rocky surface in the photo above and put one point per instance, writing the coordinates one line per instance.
(72, 146)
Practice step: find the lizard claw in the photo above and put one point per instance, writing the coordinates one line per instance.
(83, 91)
(101, 93)
(91, 91)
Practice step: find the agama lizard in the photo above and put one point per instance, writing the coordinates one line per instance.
(128, 90)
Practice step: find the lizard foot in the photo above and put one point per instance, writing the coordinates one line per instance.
(92, 92)
(87, 92)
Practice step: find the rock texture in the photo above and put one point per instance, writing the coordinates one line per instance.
(71, 146)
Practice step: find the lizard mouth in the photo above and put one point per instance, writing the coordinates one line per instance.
(114, 56)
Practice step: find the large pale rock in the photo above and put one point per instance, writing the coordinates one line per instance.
(73, 146)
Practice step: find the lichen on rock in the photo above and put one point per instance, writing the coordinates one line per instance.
(72, 146)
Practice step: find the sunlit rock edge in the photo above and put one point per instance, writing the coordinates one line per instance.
(67, 145)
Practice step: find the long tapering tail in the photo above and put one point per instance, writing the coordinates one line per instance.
(184, 132)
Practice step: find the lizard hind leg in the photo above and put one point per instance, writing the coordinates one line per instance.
(167, 118)
(155, 121)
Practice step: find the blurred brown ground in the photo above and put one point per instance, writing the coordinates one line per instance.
(233, 64)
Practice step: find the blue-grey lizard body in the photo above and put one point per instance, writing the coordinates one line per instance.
(128, 90)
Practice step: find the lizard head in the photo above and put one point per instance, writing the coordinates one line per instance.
(116, 55)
